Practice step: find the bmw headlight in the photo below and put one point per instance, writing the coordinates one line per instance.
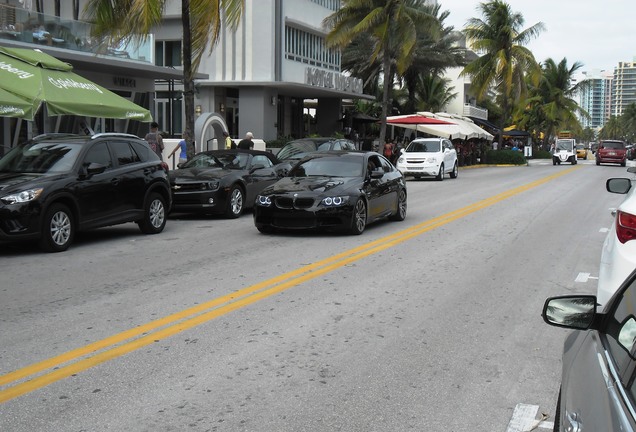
(263, 200)
(22, 197)
(336, 201)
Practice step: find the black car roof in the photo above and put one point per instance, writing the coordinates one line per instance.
(237, 150)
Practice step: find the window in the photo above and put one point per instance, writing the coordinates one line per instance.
(99, 154)
(310, 48)
(168, 53)
(261, 160)
(124, 153)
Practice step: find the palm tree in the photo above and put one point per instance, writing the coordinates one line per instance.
(628, 122)
(505, 62)
(551, 105)
(391, 26)
(613, 129)
(432, 56)
(202, 21)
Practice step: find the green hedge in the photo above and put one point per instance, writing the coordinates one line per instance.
(507, 157)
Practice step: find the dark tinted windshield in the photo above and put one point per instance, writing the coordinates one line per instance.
(613, 145)
(41, 158)
(220, 160)
(329, 166)
(423, 147)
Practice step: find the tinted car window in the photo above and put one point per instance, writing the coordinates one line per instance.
(328, 166)
(613, 145)
(99, 154)
(143, 151)
(124, 153)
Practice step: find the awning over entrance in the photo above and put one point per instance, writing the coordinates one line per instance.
(39, 78)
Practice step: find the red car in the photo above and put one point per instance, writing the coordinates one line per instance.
(611, 151)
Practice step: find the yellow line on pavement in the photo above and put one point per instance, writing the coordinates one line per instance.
(115, 346)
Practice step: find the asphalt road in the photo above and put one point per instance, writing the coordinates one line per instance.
(430, 324)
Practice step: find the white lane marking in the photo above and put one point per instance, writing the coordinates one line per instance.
(603, 230)
(524, 419)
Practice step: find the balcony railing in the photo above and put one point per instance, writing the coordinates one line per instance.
(21, 25)
(473, 111)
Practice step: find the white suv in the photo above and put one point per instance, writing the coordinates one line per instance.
(428, 157)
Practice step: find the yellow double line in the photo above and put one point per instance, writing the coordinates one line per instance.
(80, 359)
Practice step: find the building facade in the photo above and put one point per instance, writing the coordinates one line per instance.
(623, 87)
(263, 73)
(595, 99)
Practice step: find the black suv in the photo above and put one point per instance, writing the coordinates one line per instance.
(57, 184)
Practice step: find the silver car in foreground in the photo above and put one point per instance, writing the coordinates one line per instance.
(598, 383)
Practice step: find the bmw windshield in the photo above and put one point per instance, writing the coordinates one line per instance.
(328, 167)
(40, 158)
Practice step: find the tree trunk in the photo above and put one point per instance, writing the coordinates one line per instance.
(388, 81)
(188, 79)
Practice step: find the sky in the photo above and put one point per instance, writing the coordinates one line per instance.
(597, 33)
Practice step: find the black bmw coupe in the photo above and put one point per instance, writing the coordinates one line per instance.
(342, 191)
(224, 181)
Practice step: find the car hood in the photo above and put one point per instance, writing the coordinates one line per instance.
(314, 185)
(192, 174)
(14, 181)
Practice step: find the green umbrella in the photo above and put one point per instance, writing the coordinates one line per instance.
(13, 106)
(40, 78)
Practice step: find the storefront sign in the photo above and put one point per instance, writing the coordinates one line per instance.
(125, 82)
(332, 80)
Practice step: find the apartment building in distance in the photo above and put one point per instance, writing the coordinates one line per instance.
(595, 98)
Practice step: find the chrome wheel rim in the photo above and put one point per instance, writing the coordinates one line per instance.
(360, 215)
(157, 213)
(60, 228)
(236, 201)
(402, 204)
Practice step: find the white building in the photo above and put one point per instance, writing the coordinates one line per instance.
(261, 74)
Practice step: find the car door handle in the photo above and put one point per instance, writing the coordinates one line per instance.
(114, 181)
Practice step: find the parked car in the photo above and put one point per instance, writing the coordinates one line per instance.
(55, 185)
(332, 190)
(611, 151)
(295, 150)
(631, 151)
(581, 151)
(618, 255)
(564, 151)
(224, 181)
(598, 378)
(428, 157)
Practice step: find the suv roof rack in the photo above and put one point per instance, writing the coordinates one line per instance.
(114, 134)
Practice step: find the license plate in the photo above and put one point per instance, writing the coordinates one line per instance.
(416, 168)
(612, 153)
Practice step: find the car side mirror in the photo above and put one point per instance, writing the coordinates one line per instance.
(574, 312)
(618, 185)
(377, 173)
(256, 167)
(92, 169)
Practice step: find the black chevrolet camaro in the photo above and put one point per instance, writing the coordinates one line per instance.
(341, 191)
(224, 181)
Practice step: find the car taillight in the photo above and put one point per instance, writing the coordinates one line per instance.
(625, 226)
